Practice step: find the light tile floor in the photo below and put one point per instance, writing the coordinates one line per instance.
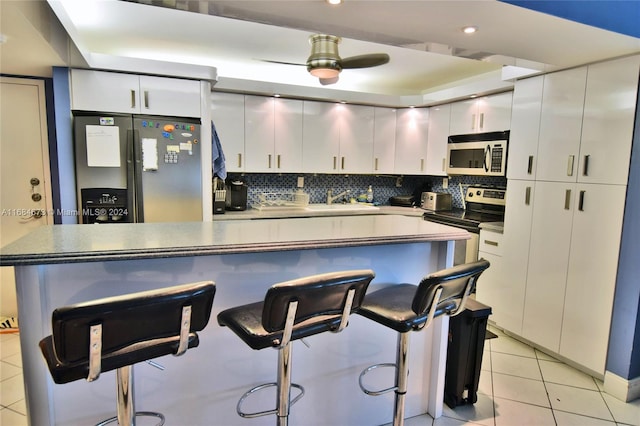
(519, 386)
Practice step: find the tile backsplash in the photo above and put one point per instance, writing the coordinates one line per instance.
(384, 187)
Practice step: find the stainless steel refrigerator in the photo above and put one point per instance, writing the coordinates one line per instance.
(134, 168)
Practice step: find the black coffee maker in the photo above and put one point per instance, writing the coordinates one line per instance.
(236, 196)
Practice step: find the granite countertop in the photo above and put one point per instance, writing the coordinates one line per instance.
(86, 243)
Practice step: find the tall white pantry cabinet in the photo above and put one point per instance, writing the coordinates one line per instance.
(569, 153)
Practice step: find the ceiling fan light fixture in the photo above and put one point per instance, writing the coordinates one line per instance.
(324, 72)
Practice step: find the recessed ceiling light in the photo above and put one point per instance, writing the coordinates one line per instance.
(276, 95)
(334, 1)
(469, 29)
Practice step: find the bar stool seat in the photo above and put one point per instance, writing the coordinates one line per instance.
(408, 307)
(291, 311)
(115, 333)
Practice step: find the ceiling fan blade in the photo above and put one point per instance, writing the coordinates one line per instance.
(282, 62)
(365, 61)
(326, 81)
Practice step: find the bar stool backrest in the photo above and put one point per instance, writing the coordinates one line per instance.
(129, 321)
(321, 298)
(456, 284)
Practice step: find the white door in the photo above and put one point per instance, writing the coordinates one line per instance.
(548, 262)
(288, 135)
(607, 127)
(384, 140)
(411, 141)
(227, 113)
(259, 134)
(25, 189)
(561, 125)
(356, 138)
(591, 279)
(525, 128)
(321, 137)
(438, 136)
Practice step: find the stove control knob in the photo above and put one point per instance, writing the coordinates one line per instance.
(479, 193)
(470, 194)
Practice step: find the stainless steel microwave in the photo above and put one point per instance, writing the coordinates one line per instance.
(478, 154)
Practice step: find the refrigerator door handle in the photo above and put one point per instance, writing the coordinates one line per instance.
(134, 172)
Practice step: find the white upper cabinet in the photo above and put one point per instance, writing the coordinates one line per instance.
(607, 127)
(486, 114)
(337, 138)
(356, 138)
(525, 127)
(438, 137)
(273, 134)
(135, 94)
(412, 141)
(288, 135)
(227, 113)
(384, 140)
(321, 137)
(561, 125)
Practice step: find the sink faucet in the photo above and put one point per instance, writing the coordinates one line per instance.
(331, 198)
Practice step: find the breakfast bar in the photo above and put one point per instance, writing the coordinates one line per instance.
(65, 264)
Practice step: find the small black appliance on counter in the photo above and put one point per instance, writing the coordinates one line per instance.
(402, 200)
(236, 196)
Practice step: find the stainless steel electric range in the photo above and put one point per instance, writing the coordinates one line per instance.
(482, 204)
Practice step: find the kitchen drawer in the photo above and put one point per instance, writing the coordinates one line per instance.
(490, 242)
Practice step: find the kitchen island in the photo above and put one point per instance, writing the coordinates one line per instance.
(64, 264)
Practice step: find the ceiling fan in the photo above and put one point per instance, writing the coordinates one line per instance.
(326, 64)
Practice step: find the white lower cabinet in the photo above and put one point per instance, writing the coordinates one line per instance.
(505, 293)
(491, 283)
(548, 258)
(573, 257)
(591, 275)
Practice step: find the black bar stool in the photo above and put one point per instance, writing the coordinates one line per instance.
(407, 307)
(115, 333)
(290, 311)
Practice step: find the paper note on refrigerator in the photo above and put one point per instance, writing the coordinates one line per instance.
(149, 154)
(103, 146)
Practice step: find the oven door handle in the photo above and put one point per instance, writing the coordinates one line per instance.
(487, 158)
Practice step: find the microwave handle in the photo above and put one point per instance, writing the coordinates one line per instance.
(487, 158)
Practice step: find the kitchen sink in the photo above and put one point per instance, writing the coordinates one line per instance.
(339, 207)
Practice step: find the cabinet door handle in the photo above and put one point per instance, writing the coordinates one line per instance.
(570, 165)
(530, 165)
(133, 98)
(269, 161)
(239, 160)
(482, 121)
(335, 162)
(443, 164)
(342, 163)
(491, 243)
(585, 170)
(278, 160)
(473, 121)
(581, 201)
(146, 99)
(527, 196)
(375, 167)
(567, 199)
(422, 164)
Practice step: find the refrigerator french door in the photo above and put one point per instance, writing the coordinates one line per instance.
(134, 168)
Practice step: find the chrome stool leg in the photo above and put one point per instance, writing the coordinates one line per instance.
(126, 406)
(402, 378)
(284, 385)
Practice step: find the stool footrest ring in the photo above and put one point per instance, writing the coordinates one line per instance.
(376, 392)
(138, 413)
(265, 413)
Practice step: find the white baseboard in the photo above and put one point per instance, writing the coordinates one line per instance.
(622, 389)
